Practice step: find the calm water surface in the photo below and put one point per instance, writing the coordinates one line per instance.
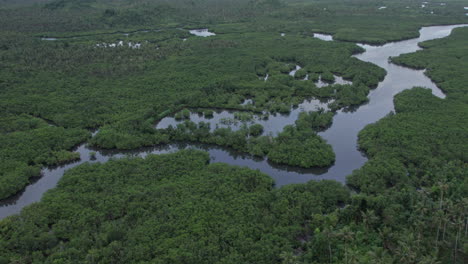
(201, 32)
(342, 135)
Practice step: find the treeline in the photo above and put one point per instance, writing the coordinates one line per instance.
(27, 144)
(415, 182)
(168, 209)
(445, 61)
(81, 85)
(410, 201)
(297, 145)
(357, 21)
(414, 185)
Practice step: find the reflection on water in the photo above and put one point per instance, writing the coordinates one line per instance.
(272, 123)
(202, 32)
(293, 72)
(323, 36)
(338, 80)
(342, 135)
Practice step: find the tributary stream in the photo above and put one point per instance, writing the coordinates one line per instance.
(342, 135)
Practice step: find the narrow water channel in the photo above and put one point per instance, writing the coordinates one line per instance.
(342, 135)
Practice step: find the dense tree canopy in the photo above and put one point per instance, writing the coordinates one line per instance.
(166, 209)
(26, 144)
(69, 67)
(420, 152)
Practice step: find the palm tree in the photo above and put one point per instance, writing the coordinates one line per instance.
(288, 258)
(464, 204)
(368, 218)
(353, 256)
(405, 250)
(379, 256)
(439, 216)
(459, 221)
(429, 260)
(347, 235)
(329, 234)
(443, 186)
(448, 209)
(385, 234)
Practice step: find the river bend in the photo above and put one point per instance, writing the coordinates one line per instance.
(342, 135)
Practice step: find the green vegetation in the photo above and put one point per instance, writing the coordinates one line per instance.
(124, 91)
(300, 74)
(184, 114)
(357, 21)
(408, 203)
(446, 63)
(208, 113)
(315, 120)
(300, 145)
(301, 148)
(255, 130)
(327, 77)
(415, 183)
(27, 144)
(297, 145)
(243, 116)
(166, 209)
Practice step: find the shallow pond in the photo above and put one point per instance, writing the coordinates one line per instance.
(201, 32)
(338, 80)
(293, 72)
(225, 118)
(342, 135)
(323, 36)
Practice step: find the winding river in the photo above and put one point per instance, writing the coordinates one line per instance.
(342, 135)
